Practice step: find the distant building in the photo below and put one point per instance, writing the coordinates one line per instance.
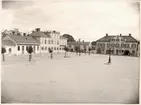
(40, 41)
(82, 44)
(117, 44)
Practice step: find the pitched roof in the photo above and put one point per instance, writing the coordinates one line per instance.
(24, 39)
(78, 43)
(8, 43)
(61, 37)
(39, 34)
(108, 38)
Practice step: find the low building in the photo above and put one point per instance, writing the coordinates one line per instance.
(117, 44)
(16, 45)
(83, 45)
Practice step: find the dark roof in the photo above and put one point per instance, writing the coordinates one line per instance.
(8, 43)
(24, 39)
(108, 38)
(61, 37)
(78, 43)
(39, 34)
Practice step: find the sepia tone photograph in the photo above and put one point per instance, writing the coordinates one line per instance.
(70, 51)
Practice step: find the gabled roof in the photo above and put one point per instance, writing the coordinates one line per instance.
(78, 43)
(39, 34)
(24, 39)
(8, 43)
(108, 38)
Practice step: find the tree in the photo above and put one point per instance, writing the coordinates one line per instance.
(89, 50)
(51, 52)
(79, 49)
(69, 38)
(30, 51)
(109, 60)
(93, 43)
(76, 49)
(3, 50)
(85, 50)
(66, 50)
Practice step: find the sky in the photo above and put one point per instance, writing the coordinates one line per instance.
(85, 19)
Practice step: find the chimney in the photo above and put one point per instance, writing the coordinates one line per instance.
(106, 34)
(83, 40)
(79, 40)
(37, 29)
(129, 34)
(120, 34)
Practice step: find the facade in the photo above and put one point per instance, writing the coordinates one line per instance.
(117, 44)
(16, 45)
(40, 41)
(83, 45)
(48, 40)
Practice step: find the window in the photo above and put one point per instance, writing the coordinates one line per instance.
(48, 41)
(26, 48)
(45, 41)
(18, 48)
(108, 45)
(113, 39)
(37, 47)
(52, 41)
(58, 42)
(133, 46)
(117, 39)
(122, 45)
(42, 48)
(127, 45)
(54, 48)
(117, 45)
(57, 48)
(60, 48)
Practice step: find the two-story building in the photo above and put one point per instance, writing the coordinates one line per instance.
(82, 44)
(117, 44)
(51, 39)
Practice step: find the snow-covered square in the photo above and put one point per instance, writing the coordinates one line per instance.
(76, 79)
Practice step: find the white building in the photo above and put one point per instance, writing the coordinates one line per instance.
(16, 45)
(40, 41)
(48, 40)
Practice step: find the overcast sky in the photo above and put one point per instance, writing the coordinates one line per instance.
(85, 19)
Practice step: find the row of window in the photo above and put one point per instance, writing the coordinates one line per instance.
(117, 45)
(43, 48)
(50, 42)
(118, 40)
(54, 48)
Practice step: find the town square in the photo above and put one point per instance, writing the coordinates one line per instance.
(70, 52)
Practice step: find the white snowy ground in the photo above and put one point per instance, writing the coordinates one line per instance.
(78, 79)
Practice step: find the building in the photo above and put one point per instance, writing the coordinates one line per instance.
(50, 39)
(16, 45)
(83, 45)
(117, 44)
(40, 41)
